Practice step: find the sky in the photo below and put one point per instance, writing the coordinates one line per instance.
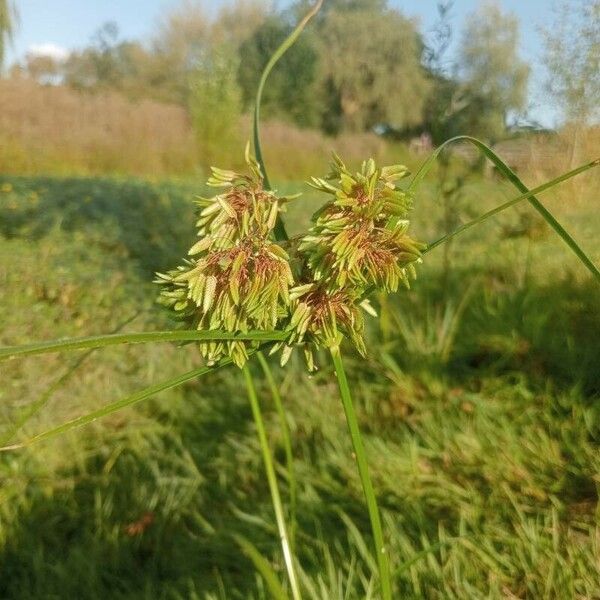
(56, 26)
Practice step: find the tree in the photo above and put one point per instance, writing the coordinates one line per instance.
(371, 66)
(188, 32)
(494, 77)
(572, 58)
(8, 17)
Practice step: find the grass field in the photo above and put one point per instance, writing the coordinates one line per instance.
(479, 403)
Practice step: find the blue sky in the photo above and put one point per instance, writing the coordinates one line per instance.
(70, 24)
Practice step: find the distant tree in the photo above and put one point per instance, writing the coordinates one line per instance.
(371, 69)
(237, 21)
(8, 17)
(493, 75)
(301, 6)
(215, 104)
(447, 97)
(572, 58)
(188, 33)
(43, 68)
(111, 63)
(292, 91)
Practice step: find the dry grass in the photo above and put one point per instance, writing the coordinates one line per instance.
(56, 130)
(48, 129)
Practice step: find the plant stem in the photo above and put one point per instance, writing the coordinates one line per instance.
(280, 232)
(272, 480)
(363, 470)
(287, 442)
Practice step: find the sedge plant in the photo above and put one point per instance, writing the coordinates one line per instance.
(246, 288)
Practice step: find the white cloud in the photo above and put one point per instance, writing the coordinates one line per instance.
(54, 51)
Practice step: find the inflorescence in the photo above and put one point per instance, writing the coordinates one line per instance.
(315, 288)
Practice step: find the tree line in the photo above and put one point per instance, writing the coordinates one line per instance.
(363, 65)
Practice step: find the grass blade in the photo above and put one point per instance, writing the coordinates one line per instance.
(272, 479)
(99, 341)
(118, 405)
(363, 470)
(287, 441)
(526, 196)
(514, 179)
(263, 566)
(35, 407)
(280, 232)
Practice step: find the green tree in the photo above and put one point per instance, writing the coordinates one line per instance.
(292, 91)
(215, 104)
(8, 17)
(371, 69)
(492, 73)
(572, 58)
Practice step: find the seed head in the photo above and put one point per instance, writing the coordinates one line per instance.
(358, 243)
(238, 279)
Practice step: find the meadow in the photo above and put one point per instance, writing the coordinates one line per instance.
(478, 402)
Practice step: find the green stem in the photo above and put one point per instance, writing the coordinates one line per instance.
(287, 441)
(363, 470)
(280, 232)
(99, 341)
(272, 480)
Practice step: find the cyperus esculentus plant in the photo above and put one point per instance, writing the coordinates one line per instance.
(246, 286)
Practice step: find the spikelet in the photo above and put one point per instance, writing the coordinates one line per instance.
(358, 243)
(236, 279)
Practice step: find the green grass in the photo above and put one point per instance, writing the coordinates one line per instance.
(478, 403)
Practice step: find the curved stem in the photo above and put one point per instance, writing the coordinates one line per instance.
(98, 341)
(363, 470)
(514, 179)
(280, 232)
(272, 480)
(287, 441)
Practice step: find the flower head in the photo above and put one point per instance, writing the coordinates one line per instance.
(358, 243)
(238, 279)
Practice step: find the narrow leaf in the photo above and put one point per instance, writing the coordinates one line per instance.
(99, 341)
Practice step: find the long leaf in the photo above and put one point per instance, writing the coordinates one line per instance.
(363, 471)
(35, 407)
(280, 232)
(263, 566)
(526, 196)
(118, 405)
(99, 341)
(514, 179)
